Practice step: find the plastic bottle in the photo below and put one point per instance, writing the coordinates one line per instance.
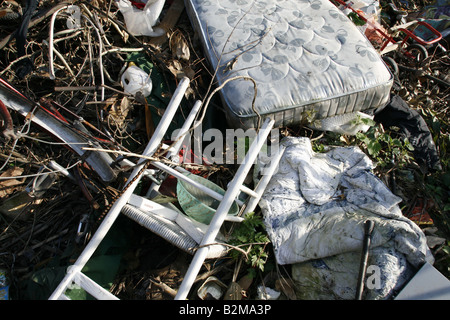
(4, 285)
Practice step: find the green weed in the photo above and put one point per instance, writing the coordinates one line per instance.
(251, 237)
(383, 148)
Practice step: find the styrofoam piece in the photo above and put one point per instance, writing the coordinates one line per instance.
(427, 284)
(74, 19)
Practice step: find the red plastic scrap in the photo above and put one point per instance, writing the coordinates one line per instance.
(139, 5)
(419, 212)
(6, 128)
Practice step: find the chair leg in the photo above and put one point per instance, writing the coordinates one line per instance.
(222, 210)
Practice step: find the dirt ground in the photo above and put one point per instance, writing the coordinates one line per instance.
(44, 236)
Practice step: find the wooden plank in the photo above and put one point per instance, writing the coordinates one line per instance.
(169, 21)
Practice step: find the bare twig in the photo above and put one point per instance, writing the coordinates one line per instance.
(164, 287)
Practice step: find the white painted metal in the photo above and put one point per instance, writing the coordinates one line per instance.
(93, 288)
(100, 161)
(185, 178)
(175, 149)
(262, 184)
(222, 210)
(117, 206)
(205, 237)
(150, 206)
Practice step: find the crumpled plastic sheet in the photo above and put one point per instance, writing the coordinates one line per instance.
(314, 210)
(140, 22)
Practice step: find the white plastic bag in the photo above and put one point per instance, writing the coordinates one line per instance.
(140, 22)
(344, 123)
(134, 79)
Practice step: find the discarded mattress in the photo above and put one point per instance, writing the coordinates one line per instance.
(308, 60)
(314, 210)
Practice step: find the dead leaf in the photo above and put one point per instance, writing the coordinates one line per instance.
(120, 111)
(179, 46)
(9, 186)
(179, 71)
(176, 68)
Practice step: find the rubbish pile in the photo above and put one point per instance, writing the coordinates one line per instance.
(112, 114)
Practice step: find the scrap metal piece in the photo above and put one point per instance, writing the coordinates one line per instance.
(101, 162)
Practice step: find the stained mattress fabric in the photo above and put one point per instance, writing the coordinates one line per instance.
(314, 210)
(308, 60)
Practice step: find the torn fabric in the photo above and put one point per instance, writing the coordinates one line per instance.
(316, 204)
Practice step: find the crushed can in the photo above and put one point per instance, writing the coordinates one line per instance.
(4, 285)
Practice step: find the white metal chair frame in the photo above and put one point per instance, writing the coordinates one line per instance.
(74, 274)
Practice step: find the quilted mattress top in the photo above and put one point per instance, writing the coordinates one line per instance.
(298, 52)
